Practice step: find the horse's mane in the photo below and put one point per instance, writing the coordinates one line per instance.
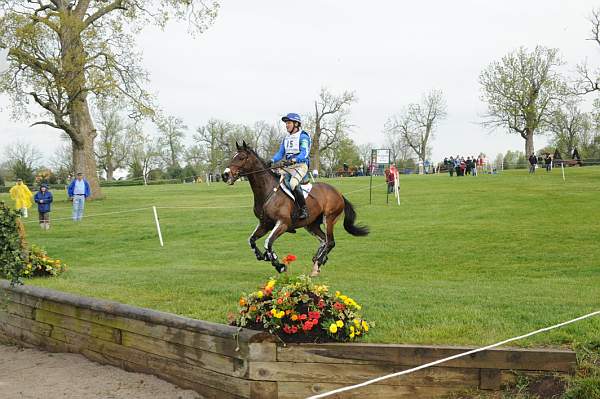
(263, 163)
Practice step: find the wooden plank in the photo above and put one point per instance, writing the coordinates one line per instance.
(29, 338)
(113, 352)
(25, 323)
(37, 296)
(208, 360)
(411, 355)
(226, 346)
(355, 373)
(263, 351)
(295, 390)
(264, 390)
(21, 310)
(79, 326)
(207, 392)
(490, 380)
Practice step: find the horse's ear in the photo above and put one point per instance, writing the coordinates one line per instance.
(245, 145)
(237, 146)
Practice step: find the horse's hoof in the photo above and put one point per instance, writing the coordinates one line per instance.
(315, 274)
(280, 268)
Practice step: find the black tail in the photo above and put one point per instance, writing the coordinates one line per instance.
(349, 218)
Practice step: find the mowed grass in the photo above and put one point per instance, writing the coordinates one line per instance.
(461, 261)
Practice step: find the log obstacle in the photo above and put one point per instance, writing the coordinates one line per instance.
(220, 361)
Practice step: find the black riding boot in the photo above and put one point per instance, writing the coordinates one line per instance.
(303, 214)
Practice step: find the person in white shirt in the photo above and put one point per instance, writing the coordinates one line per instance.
(78, 191)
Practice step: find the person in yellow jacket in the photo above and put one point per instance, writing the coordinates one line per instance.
(22, 196)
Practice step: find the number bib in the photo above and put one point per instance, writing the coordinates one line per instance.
(292, 143)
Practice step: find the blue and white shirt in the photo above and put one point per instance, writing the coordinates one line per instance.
(294, 147)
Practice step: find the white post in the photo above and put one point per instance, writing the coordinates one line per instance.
(158, 226)
(208, 179)
(397, 186)
(562, 166)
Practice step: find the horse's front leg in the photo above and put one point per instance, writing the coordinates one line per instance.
(278, 230)
(260, 230)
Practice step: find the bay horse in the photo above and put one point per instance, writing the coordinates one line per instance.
(276, 211)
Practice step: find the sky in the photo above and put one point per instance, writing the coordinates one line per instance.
(266, 58)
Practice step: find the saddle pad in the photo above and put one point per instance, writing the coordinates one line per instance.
(305, 189)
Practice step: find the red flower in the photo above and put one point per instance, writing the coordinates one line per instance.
(302, 317)
(289, 258)
(315, 322)
(314, 315)
(307, 326)
(294, 329)
(287, 329)
(339, 306)
(321, 304)
(279, 301)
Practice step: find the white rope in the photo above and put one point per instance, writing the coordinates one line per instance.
(385, 377)
(94, 215)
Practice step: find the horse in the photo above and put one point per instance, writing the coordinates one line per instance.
(275, 210)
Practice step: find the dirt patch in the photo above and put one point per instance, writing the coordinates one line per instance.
(33, 374)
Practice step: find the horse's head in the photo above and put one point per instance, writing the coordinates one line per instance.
(243, 161)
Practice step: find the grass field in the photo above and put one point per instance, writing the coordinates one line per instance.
(461, 261)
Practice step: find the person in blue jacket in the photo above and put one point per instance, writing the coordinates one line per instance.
(44, 200)
(295, 151)
(78, 191)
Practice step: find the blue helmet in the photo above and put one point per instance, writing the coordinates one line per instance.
(292, 117)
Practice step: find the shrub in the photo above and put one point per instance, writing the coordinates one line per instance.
(12, 245)
(298, 310)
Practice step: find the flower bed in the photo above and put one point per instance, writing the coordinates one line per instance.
(298, 310)
(40, 264)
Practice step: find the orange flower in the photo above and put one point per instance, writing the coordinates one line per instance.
(242, 301)
(289, 258)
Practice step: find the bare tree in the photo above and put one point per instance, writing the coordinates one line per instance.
(172, 132)
(145, 154)
(521, 91)
(570, 125)
(113, 145)
(22, 158)
(399, 148)
(589, 81)
(215, 137)
(64, 53)
(329, 121)
(416, 124)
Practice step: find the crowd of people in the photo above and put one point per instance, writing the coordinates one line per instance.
(78, 190)
(464, 167)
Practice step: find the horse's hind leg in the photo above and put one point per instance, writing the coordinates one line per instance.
(329, 223)
(260, 230)
(315, 230)
(278, 230)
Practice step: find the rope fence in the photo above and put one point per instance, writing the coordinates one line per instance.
(447, 359)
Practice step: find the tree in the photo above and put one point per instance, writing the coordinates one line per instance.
(64, 53)
(416, 124)
(399, 148)
(589, 81)
(521, 90)
(22, 159)
(570, 125)
(172, 132)
(112, 147)
(215, 137)
(145, 155)
(329, 121)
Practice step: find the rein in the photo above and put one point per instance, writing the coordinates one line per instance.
(260, 171)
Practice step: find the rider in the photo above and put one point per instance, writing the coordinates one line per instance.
(295, 147)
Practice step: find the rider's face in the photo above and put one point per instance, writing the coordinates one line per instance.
(289, 126)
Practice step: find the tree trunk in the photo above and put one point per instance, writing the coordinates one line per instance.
(83, 144)
(315, 151)
(528, 143)
(109, 172)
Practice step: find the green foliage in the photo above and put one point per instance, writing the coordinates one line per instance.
(11, 246)
(586, 384)
(40, 264)
(515, 160)
(21, 170)
(2, 182)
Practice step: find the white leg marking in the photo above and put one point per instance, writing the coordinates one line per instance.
(251, 235)
(271, 234)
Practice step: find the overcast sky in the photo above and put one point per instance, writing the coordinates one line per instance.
(266, 58)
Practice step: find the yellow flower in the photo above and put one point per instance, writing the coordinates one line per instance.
(343, 297)
(351, 331)
(337, 294)
(340, 323)
(259, 294)
(365, 326)
(279, 314)
(356, 323)
(273, 311)
(333, 328)
(271, 284)
(294, 317)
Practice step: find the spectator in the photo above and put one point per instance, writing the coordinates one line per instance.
(44, 198)
(532, 163)
(450, 165)
(468, 166)
(22, 196)
(548, 162)
(79, 190)
(457, 165)
(474, 170)
(462, 166)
